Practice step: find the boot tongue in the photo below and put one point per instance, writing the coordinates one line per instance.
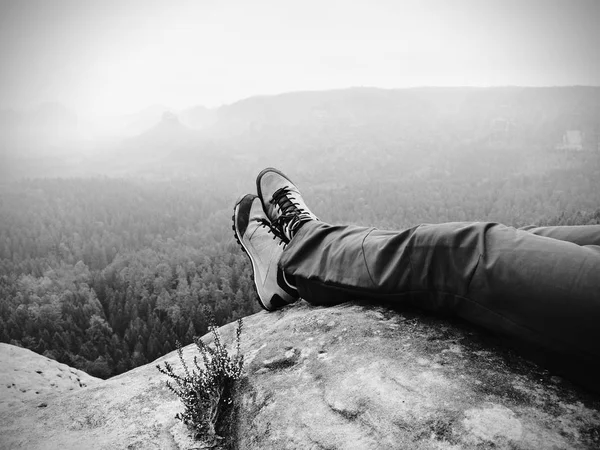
(291, 215)
(282, 198)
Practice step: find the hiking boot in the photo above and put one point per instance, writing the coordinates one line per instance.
(253, 232)
(283, 203)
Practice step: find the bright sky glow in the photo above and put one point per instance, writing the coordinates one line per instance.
(117, 56)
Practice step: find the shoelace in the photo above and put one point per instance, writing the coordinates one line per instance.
(271, 229)
(291, 213)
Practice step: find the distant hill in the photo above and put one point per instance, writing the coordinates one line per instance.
(141, 121)
(198, 117)
(361, 130)
(47, 125)
(537, 112)
(169, 132)
(50, 116)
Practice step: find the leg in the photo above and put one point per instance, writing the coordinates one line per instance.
(541, 292)
(578, 234)
(534, 289)
(546, 293)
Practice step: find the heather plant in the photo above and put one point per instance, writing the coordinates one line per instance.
(206, 390)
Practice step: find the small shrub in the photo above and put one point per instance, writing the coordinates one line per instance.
(206, 392)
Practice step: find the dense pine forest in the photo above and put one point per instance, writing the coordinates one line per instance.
(107, 274)
(106, 271)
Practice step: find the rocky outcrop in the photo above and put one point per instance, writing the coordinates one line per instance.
(28, 378)
(345, 377)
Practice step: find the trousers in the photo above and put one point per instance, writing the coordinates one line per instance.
(538, 287)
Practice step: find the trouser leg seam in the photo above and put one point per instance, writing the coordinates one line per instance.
(468, 289)
(362, 246)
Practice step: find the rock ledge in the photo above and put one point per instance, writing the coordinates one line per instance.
(350, 376)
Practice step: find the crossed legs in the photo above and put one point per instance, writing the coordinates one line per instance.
(539, 286)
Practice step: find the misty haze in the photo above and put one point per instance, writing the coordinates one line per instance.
(127, 132)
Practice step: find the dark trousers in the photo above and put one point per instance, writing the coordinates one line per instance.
(538, 287)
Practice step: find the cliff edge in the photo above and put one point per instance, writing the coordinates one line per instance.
(347, 377)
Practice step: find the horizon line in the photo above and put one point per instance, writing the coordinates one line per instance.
(38, 105)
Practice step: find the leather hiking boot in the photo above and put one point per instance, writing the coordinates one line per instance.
(282, 202)
(253, 232)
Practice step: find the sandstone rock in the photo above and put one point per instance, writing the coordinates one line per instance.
(27, 377)
(345, 377)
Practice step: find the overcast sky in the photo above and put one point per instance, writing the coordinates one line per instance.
(119, 56)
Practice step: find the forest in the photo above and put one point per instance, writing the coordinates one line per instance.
(106, 275)
(107, 271)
